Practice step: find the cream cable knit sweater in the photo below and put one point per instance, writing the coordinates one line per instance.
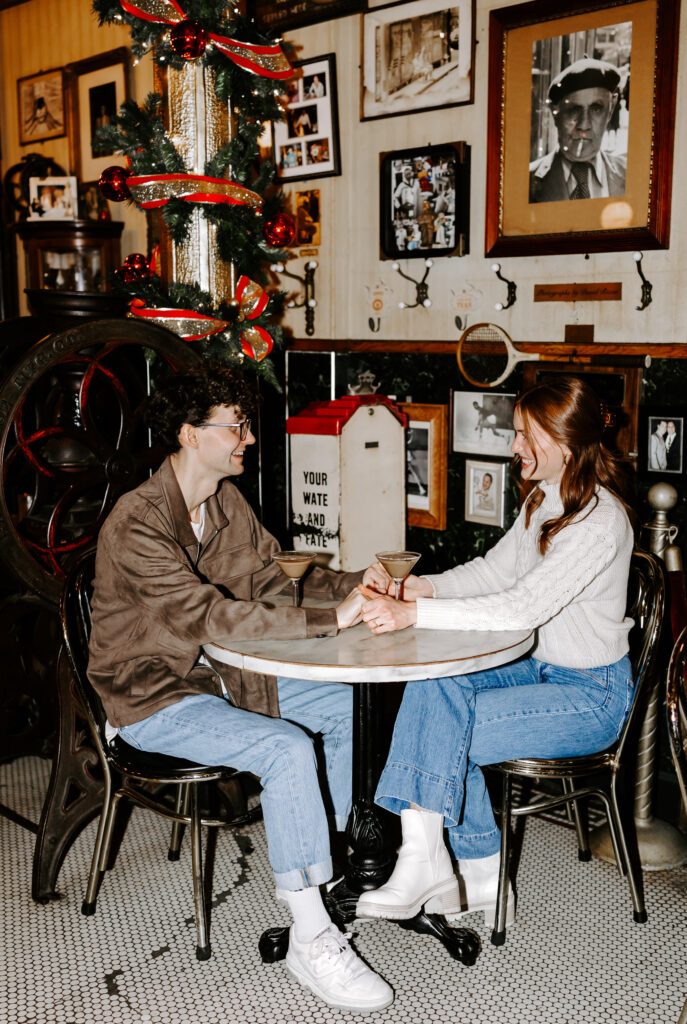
(575, 595)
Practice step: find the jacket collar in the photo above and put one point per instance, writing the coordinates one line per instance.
(183, 531)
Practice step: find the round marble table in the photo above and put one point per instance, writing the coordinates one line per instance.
(364, 659)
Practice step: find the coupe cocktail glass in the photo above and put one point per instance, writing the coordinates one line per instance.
(294, 565)
(398, 564)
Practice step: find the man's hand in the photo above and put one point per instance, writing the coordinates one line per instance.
(349, 611)
(377, 578)
(383, 614)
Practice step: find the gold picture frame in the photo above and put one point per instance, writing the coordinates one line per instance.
(41, 106)
(426, 464)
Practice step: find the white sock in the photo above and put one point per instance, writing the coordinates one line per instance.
(308, 911)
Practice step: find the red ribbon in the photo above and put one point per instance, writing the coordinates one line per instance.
(268, 61)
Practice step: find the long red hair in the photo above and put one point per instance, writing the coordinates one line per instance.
(571, 413)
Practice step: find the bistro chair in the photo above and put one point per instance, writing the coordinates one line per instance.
(126, 770)
(676, 715)
(604, 772)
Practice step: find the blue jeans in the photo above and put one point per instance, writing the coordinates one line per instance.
(447, 728)
(315, 725)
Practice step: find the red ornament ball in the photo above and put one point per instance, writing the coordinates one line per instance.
(135, 268)
(188, 39)
(279, 231)
(112, 184)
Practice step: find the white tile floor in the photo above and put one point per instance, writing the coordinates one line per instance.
(575, 954)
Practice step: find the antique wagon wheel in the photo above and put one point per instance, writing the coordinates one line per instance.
(72, 439)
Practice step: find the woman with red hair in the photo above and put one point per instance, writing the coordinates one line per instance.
(562, 570)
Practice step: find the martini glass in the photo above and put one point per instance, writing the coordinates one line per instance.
(294, 565)
(398, 564)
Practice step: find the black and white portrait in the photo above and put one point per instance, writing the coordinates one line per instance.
(580, 114)
(417, 465)
(485, 492)
(483, 422)
(102, 106)
(665, 443)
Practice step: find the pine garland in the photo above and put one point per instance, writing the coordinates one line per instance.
(139, 133)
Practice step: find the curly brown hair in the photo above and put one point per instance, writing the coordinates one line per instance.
(191, 397)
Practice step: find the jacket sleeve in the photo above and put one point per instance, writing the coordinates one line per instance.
(166, 586)
(577, 555)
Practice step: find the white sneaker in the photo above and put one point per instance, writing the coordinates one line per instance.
(333, 972)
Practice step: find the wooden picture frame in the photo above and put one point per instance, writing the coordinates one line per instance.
(425, 201)
(97, 88)
(426, 464)
(662, 443)
(41, 107)
(306, 143)
(529, 183)
(278, 15)
(416, 56)
(485, 492)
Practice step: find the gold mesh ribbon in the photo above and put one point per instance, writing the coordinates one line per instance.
(268, 61)
(152, 190)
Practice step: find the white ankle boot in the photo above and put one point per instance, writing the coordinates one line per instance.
(423, 870)
(479, 882)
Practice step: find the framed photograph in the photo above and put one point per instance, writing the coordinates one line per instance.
(577, 161)
(97, 86)
(285, 14)
(425, 201)
(485, 492)
(41, 104)
(663, 441)
(308, 217)
(482, 422)
(53, 199)
(426, 457)
(306, 144)
(416, 56)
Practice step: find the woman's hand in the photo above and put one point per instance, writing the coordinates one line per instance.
(412, 588)
(348, 612)
(377, 578)
(383, 614)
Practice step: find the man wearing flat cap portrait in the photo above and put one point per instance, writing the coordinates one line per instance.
(582, 99)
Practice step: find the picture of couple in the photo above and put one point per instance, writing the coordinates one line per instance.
(665, 444)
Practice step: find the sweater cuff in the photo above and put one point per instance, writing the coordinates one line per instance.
(320, 622)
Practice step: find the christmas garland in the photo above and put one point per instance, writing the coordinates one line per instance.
(233, 192)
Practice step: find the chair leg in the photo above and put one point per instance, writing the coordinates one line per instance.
(88, 904)
(203, 948)
(174, 851)
(630, 853)
(498, 935)
(583, 851)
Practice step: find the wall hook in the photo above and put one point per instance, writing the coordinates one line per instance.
(374, 323)
(512, 288)
(308, 282)
(421, 287)
(646, 285)
(461, 322)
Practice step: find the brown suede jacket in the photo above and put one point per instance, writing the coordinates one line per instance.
(159, 595)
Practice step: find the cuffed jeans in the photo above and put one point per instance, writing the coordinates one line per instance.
(447, 728)
(283, 752)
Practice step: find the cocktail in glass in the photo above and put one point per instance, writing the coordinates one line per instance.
(294, 565)
(398, 564)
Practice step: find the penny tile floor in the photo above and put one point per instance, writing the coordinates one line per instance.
(574, 956)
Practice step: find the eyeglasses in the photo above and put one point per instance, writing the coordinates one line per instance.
(243, 427)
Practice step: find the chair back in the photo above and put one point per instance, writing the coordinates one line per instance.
(676, 710)
(75, 618)
(645, 604)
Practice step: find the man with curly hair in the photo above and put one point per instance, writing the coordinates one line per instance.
(183, 561)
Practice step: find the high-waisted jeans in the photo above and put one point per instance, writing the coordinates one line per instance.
(315, 726)
(447, 728)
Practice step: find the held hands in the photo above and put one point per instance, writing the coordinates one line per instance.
(377, 578)
(348, 612)
(384, 615)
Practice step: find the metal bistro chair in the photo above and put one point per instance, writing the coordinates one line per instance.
(676, 715)
(125, 768)
(604, 771)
